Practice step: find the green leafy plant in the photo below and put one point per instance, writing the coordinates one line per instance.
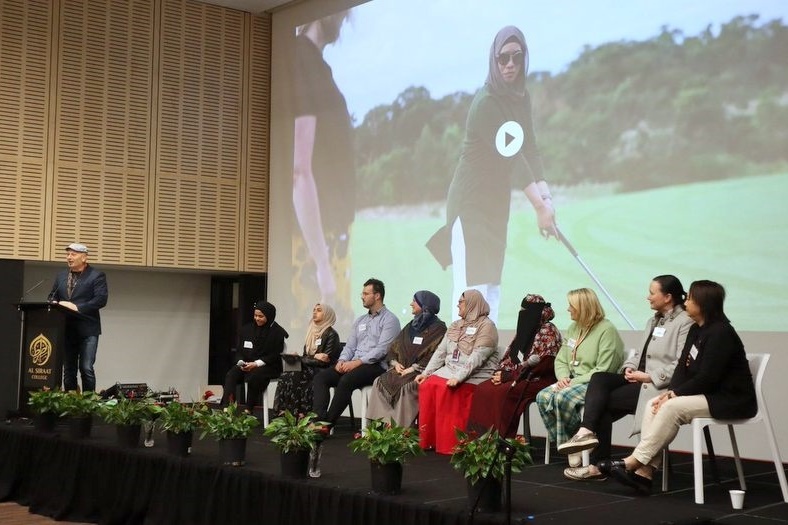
(79, 404)
(180, 418)
(129, 411)
(473, 455)
(228, 423)
(386, 442)
(290, 433)
(46, 400)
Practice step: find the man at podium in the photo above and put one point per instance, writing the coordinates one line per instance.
(82, 289)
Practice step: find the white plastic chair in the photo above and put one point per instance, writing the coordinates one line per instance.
(364, 391)
(266, 404)
(526, 426)
(757, 368)
(364, 402)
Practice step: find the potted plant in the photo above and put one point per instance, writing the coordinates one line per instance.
(46, 404)
(179, 421)
(474, 456)
(386, 445)
(231, 427)
(295, 437)
(128, 414)
(79, 408)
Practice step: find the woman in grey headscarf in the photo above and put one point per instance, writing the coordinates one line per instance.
(498, 152)
(394, 394)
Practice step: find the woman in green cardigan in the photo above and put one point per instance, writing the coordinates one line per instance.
(592, 344)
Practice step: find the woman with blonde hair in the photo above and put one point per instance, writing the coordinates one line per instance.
(592, 344)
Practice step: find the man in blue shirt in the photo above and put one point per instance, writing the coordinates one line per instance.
(361, 361)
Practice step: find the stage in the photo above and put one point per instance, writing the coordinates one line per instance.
(96, 481)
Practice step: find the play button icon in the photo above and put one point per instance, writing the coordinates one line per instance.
(509, 138)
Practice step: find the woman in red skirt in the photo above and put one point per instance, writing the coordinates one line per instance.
(467, 356)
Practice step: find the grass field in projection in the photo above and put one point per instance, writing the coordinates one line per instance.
(731, 231)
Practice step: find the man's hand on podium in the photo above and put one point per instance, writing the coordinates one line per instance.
(69, 305)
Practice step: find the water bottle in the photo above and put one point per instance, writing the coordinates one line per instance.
(147, 428)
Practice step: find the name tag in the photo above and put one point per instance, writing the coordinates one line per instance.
(248, 344)
(659, 331)
(417, 340)
(362, 328)
(470, 330)
(318, 341)
(571, 343)
(693, 352)
(455, 356)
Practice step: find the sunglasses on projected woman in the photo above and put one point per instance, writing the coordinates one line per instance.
(504, 58)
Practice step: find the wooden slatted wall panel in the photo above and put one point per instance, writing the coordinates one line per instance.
(104, 86)
(25, 27)
(255, 257)
(198, 158)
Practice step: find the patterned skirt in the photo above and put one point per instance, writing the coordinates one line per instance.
(294, 391)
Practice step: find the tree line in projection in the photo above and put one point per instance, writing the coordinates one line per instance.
(668, 110)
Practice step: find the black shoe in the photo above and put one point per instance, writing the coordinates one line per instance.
(635, 481)
(606, 466)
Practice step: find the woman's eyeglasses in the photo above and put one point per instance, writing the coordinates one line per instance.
(516, 57)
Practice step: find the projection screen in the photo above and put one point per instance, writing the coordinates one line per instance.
(660, 130)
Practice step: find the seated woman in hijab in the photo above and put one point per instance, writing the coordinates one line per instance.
(260, 345)
(467, 356)
(500, 401)
(321, 350)
(395, 396)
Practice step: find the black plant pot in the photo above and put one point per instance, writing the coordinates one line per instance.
(128, 435)
(79, 427)
(295, 464)
(45, 422)
(386, 477)
(179, 444)
(490, 499)
(233, 451)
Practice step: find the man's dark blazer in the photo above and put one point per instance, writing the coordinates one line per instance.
(90, 294)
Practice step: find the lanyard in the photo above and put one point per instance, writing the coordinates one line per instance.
(583, 335)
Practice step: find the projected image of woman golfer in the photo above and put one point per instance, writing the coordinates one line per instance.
(499, 149)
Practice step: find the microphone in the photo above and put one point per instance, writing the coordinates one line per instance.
(39, 283)
(526, 371)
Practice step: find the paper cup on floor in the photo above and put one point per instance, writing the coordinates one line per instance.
(737, 499)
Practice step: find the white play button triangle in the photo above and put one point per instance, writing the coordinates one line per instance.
(509, 138)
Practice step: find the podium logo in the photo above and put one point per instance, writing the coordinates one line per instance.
(40, 350)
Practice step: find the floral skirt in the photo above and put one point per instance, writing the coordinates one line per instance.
(294, 391)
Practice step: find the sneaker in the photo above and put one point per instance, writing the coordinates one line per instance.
(578, 443)
(576, 459)
(314, 461)
(583, 474)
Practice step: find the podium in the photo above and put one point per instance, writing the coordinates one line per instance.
(42, 348)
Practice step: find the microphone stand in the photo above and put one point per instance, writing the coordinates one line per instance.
(508, 453)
